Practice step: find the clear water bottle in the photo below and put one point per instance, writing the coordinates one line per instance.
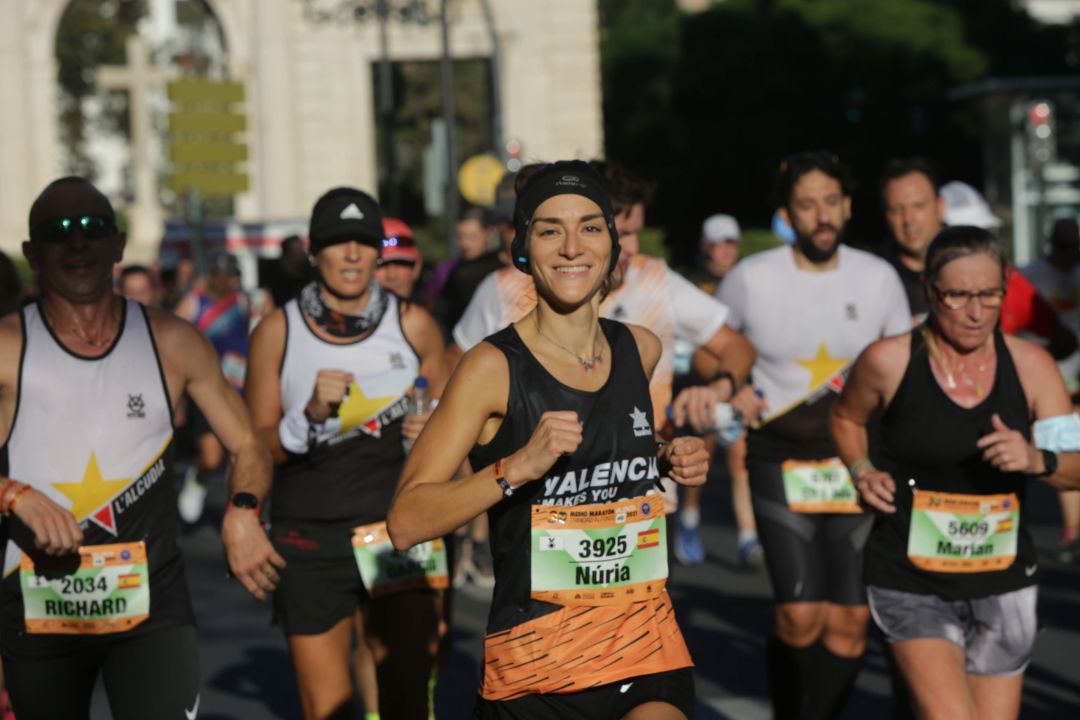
(419, 404)
(729, 424)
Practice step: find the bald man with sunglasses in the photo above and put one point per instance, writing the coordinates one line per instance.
(93, 578)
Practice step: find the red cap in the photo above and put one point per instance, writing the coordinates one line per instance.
(399, 244)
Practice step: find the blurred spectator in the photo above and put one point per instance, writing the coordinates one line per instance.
(10, 286)
(463, 274)
(220, 310)
(139, 283)
(291, 273)
(177, 282)
(913, 212)
(720, 235)
(400, 263)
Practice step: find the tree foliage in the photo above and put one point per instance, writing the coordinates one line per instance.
(716, 99)
(91, 33)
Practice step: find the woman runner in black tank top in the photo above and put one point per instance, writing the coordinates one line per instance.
(554, 414)
(950, 563)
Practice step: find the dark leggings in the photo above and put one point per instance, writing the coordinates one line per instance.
(152, 676)
(811, 557)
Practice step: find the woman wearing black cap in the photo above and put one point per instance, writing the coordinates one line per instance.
(327, 385)
(554, 413)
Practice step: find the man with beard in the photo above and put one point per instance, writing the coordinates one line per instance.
(809, 309)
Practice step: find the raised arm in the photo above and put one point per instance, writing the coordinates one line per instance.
(428, 502)
(1007, 449)
(871, 384)
(190, 358)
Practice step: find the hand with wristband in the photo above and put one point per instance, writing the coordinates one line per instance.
(557, 434)
(685, 460)
(55, 529)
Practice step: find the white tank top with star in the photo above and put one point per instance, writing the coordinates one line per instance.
(93, 435)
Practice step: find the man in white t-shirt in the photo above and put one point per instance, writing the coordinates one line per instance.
(809, 310)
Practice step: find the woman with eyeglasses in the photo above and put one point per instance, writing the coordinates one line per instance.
(951, 567)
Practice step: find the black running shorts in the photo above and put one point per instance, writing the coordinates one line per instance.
(811, 557)
(148, 676)
(606, 702)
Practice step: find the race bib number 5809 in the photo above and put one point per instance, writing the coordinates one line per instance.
(963, 533)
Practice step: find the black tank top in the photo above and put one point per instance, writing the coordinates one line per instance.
(928, 437)
(616, 459)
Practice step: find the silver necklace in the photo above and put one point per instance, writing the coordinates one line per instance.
(585, 363)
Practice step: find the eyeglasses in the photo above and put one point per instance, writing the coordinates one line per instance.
(959, 299)
(58, 230)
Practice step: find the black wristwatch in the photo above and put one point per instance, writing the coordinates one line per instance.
(244, 501)
(725, 375)
(1049, 464)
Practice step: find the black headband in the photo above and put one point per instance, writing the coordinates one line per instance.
(565, 177)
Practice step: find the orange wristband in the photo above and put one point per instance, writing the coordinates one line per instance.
(500, 477)
(15, 498)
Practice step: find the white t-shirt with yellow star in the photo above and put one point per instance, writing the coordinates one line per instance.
(808, 327)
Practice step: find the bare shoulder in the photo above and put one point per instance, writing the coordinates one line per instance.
(270, 328)
(181, 347)
(170, 330)
(11, 342)
(889, 355)
(1031, 360)
(648, 345)
(416, 321)
(483, 361)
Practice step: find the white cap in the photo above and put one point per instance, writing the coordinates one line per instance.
(965, 206)
(720, 228)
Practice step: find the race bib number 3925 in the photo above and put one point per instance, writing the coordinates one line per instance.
(601, 554)
(108, 592)
(963, 533)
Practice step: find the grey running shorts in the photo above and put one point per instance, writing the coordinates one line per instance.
(996, 633)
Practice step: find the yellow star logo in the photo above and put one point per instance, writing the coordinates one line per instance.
(359, 408)
(822, 366)
(92, 491)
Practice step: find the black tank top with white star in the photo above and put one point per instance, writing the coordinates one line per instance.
(616, 459)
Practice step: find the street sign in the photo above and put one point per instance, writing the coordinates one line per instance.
(205, 146)
(478, 178)
(194, 91)
(210, 184)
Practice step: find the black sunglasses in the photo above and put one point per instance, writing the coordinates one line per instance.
(58, 230)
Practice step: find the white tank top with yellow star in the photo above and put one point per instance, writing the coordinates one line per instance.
(384, 366)
(808, 327)
(93, 435)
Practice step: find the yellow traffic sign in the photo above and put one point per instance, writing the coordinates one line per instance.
(207, 123)
(207, 153)
(478, 178)
(196, 92)
(210, 183)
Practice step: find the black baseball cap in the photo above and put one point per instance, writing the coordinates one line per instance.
(343, 214)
